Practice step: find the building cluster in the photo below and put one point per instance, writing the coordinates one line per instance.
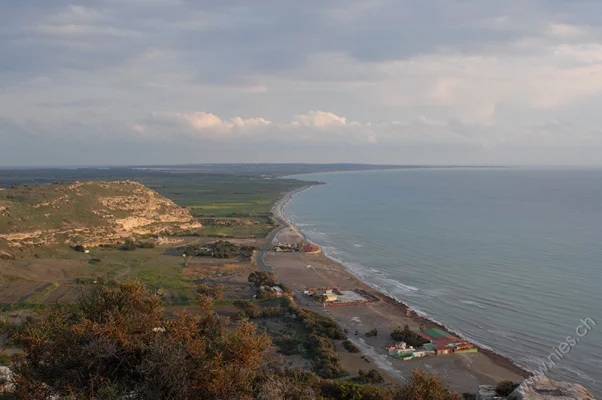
(438, 342)
(335, 296)
(289, 248)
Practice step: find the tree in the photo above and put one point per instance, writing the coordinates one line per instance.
(117, 340)
(128, 245)
(405, 334)
(263, 278)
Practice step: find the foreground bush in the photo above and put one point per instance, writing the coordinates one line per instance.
(116, 343)
(116, 339)
(424, 386)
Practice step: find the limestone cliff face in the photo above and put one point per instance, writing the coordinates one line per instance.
(88, 213)
(543, 389)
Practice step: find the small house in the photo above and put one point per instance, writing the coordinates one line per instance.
(442, 350)
(331, 297)
(311, 248)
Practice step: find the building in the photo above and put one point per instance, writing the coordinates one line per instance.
(331, 297)
(442, 342)
(311, 248)
(402, 350)
(442, 350)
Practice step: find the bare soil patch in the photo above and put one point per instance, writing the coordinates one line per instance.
(62, 294)
(14, 292)
(46, 270)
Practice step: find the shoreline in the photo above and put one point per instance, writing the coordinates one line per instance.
(497, 358)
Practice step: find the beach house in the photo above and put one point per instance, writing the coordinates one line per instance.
(444, 343)
(311, 248)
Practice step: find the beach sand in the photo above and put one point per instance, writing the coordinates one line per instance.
(464, 372)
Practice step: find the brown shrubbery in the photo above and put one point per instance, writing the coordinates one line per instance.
(216, 292)
(117, 343)
(118, 340)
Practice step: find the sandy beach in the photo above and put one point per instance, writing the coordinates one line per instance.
(464, 372)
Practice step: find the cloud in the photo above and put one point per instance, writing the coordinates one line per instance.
(202, 124)
(371, 72)
(318, 119)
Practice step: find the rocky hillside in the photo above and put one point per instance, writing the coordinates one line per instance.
(538, 389)
(88, 213)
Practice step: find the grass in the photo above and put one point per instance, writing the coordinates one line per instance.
(244, 199)
(35, 299)
(5, 359)
(251, 231)
(260, 207)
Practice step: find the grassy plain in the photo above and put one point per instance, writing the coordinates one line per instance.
(229, 205)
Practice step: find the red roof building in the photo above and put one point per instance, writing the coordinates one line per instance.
(311, 248)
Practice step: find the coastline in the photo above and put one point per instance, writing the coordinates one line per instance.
(496, 358)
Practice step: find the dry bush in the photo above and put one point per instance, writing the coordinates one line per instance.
(117, 339)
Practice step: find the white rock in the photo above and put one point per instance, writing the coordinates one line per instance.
(6, 380)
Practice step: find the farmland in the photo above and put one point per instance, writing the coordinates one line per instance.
(232, 202)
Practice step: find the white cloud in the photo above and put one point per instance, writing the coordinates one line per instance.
(318, 119)
(204, 124)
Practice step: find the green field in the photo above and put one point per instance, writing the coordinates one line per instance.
(228, 206)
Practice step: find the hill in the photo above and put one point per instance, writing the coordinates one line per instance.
(87, 213)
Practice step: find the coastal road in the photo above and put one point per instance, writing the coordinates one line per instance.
(283, 222)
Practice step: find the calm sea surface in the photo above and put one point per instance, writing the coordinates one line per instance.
(510, 258)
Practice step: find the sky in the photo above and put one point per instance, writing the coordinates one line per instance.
(124, 82)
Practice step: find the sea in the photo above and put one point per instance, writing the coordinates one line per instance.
(510, 258)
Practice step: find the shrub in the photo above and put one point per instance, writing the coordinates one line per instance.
(405, 334)
(146, 245)
(117, 339)
(348, 390)
(505, 388)
(4, 359)
(423, 385)
(372, 332)
(248, 308)
(320, 325)
(216, 292)
(326, 361)
(79, 247)
(352, 348)
(263, 278)
(272, 312)
(371, 376)
(128, 245)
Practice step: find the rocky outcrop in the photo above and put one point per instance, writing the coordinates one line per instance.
(543, 389)
(547, 389)
(88, 213)
(6, 380)
(487, 392)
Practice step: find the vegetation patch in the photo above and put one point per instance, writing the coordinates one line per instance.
(350, 346)
(407, 335)
(219, 249)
